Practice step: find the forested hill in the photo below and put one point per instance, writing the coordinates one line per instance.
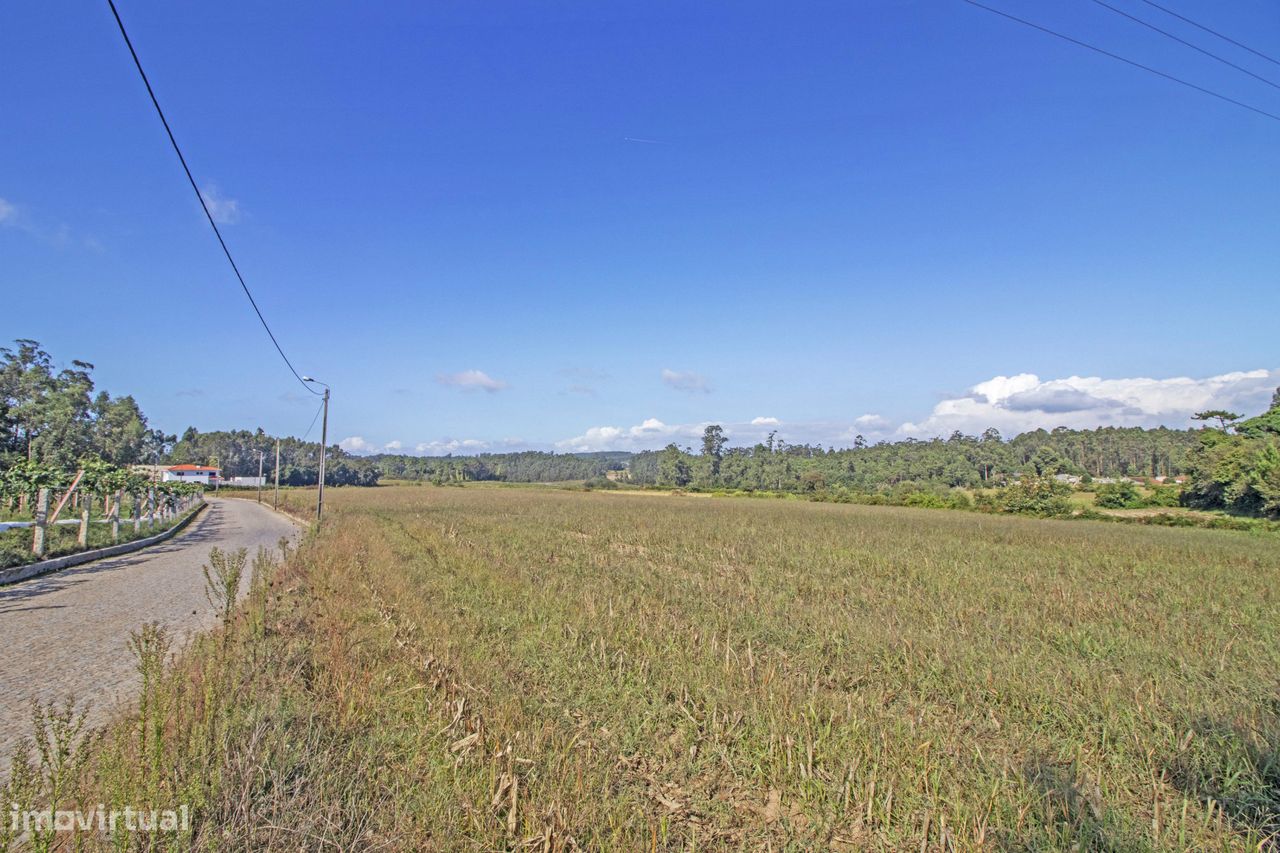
(530, 466)
(958, 461)
(961, 460)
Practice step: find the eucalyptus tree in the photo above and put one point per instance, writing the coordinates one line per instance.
(119, 429)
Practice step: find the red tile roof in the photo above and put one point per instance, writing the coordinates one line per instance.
(192, 468)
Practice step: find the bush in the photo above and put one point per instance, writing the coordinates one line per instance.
(1043, 497)
(1119, 495)
(932, 500)
(1165, 496)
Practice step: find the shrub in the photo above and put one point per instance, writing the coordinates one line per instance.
(932, 500)
(1118, 495)
(1165, 496)
(1039, 496)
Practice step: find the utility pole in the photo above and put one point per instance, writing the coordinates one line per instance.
(277, 504)
(324, 440)
(260, 455)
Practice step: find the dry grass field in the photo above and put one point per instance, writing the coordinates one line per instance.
(487, 668)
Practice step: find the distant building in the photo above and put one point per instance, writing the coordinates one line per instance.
(245, 481)
(192, 474)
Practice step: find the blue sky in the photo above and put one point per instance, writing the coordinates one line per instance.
(602, 225)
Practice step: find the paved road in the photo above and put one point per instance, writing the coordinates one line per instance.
(66, 633)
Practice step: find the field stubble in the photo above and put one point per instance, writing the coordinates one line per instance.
(628, 671)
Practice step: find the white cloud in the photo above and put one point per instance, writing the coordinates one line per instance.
(685, 380)
(466, 446)
(649, 434)
(8, 213)
(356, 444)
(225, 211)
(1014, 404)
(872, 423)
(393, 446)
(653, 434)
(471, 380)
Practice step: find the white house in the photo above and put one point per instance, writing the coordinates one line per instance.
(191, 474)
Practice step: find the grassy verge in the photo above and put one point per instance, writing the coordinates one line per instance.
(496, 668)
(62, 539)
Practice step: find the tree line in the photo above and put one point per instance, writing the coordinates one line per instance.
(236, 453)
(530, 466)
(58, 420)
(959, 461)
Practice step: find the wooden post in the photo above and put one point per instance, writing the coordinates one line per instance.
(151, 507)
(137, 513)
(38, 528)
(277, 469)
(67, 496)
(115, 516)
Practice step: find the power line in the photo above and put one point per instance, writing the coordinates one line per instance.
(1225, 38)
(313, 423)
(1183, 41)
(1120, 58)
(200, 196)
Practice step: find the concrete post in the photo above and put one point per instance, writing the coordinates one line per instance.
(85, 509)
(115, 516)
(38, 528)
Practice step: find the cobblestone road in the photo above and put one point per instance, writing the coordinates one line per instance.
(66, 633)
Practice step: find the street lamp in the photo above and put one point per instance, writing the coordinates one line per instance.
(324, 440)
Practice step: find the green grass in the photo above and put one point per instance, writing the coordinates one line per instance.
(476, 668)
(62, 539)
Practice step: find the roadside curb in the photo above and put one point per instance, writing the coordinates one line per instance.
(305, 523)
(44, 567)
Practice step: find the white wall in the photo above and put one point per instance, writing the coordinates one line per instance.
(172, 477)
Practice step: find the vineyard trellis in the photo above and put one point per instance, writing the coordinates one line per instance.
(32, 484)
